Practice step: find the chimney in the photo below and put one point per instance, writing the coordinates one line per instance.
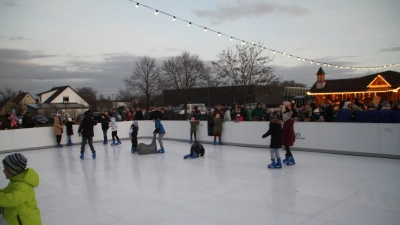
(20, 91)
(320, 78)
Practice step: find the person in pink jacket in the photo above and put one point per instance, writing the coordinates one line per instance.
(288, 137)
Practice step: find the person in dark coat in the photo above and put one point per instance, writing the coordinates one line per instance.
(329, 112)
(217, 129)
(196, 113)
(396, 109)
(196, 150)
(105, 125)
(371, 115)
(156, 113)
(6, 124)
(169, 114)
(258, 113)
(27, 121)
(386, 114)
(275, 130)
(138, 114)
(288, 138)
(86, 130)
(344, 114)
(70, 131)
(133, 133)
(358, 114)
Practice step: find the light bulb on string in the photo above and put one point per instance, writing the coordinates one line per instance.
(288, 56)
(311, 62)
(189, 24)
(358, 68)
(137, 5)
(298, 58)
(252, 43)
(262, 48)
(324, 64)
(219, 34)
(384, 66)
(283, 53)
(242, 42)
(335, 66)
(205, 29)
(231, 39)
(390, 65)
(329, 65)
(156, 12)
(304, 59)
(173, 18)
(274, 51)
(341, 67)
(318, 63)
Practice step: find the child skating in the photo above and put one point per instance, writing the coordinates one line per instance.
(133, 133)
(196, 150)
(114, 129)
(161, 132)
(193, 129)
(70, 131)
(275, 130)
(288, 137)
(217, 129)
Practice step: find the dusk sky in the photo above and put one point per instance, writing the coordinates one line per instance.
(94, 43)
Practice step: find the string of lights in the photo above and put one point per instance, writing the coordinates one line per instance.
(231, 38)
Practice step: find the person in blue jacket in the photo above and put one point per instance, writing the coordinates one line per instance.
(371, 115)
(160, 131)
(344, 113)
(386, 114)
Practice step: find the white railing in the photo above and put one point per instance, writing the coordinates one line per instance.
(345, 138)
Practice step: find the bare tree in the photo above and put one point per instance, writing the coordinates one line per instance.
(104, 103)
(7, 99)
(89, 95)
(183, 73)
(145, 81)
(243, 67)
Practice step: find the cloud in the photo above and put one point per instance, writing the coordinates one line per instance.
(302, 49)
(244, 9)
(19, 54)
(15, 38)
(10, 3)
(393, 49)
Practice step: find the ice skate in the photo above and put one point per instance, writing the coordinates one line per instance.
(133, 150)
(194, 155)
(215, 142)
(291, 161)
(161, 150)
(279, 163)
(118, 143)
(186, 156)
(220, 142)
(190, 142)
(272, 165)
(94, 155)
(82, 156)
(286, 160)
(113, 143)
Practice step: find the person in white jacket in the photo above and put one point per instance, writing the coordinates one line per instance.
(114, 129)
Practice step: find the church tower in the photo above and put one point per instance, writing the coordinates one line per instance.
(320, 78)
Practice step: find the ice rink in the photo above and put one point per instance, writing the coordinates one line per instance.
(229, 185)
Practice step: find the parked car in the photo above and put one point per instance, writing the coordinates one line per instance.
(20, 120)
(40, 119)
(52, 115)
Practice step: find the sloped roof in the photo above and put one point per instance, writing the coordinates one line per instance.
(58, 92)
(54, 88)
(20, 97)
(357, 84)
(4, 102)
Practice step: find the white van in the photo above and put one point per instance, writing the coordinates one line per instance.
(190, 108)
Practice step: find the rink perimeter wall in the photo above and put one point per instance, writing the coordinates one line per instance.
(367, 139)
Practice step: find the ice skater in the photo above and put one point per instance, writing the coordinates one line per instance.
(160, 131)
(275, 130)
(196, 150)
(193, 129)
(217, 128)
(288, 138)
(133, 133)
(70, 131)
(86, 130)
(114, 130)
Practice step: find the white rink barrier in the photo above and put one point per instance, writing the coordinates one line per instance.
(368, 139)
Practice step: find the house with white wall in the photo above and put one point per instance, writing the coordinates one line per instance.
(64, 99)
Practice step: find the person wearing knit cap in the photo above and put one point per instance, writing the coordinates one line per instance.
(18, 198)
(193, 129)
(344, 113)
(133, 133)
(288, 138)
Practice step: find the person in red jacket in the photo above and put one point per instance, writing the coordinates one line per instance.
(288, 137)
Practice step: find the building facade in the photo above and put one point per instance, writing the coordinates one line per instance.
(383, 86)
